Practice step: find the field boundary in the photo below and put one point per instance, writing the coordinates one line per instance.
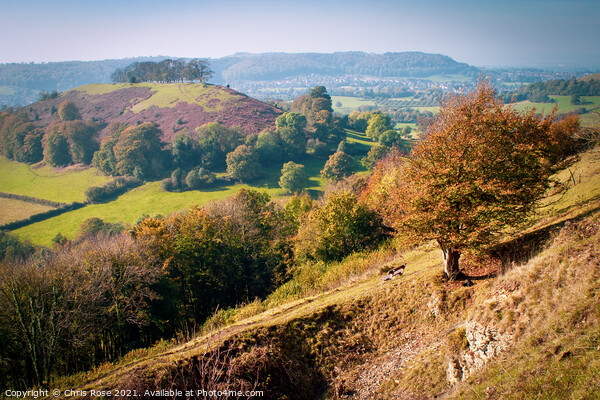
(34, 200)
(63, 208)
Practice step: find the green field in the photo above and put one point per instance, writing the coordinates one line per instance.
(69, 185)
(450, 78)
(349, 103)
(62, 185)
(562, 102)
(168, 95)
(150, 199)
(402, 125)
(12, 210)
(433, 109)
(359, 138)
(102, 88)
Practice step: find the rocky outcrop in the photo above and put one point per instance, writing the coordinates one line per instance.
(484, 343)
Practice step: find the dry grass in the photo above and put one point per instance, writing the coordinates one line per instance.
(579, 190)
(15, 210)
(550, 307)
(326, 331)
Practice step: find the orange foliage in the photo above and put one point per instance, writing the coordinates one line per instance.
(480, 167)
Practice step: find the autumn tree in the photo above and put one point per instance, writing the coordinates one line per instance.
(74, 307)
(184, 151)
(20, 139)
(56, 147)
(71, 141)
(317, 108)
(199, 178)
(292, 120)
(269, 147)
(391, 138)
(294, 142)
(359, 121)
(218, 256)
(480, 169)
(375, 154)
(104, 159)
(215, 141)
(68, 111)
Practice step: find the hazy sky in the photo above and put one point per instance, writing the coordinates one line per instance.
(478, 32)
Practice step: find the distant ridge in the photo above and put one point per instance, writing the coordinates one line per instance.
(20, 84)
(268, 66)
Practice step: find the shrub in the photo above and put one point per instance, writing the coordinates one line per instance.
(111, 189)
(199, 178)
(319, 148)
(168, 185)
(95, 226)
(376, 154)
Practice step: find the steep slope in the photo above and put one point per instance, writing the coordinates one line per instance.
(173, 107)
(532, 332)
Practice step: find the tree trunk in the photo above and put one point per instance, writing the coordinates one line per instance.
(451, 267)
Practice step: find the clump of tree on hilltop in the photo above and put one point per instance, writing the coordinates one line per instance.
(166, 71)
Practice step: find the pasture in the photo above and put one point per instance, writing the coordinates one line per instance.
(349, 104)
(166, 95)
(12, 210)
(65, 185)
(151, 200)
(563, 103)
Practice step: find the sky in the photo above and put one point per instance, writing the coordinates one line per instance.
(492, 33)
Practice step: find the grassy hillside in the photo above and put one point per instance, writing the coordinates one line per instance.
(61, 185)
(69, 185)
(339, 331)
(563, 103)
(173, 107)
(148, 199)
